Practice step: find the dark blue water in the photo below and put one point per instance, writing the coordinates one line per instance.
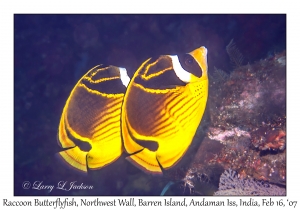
(51, 52)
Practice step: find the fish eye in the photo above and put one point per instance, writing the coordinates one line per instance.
(189, 61)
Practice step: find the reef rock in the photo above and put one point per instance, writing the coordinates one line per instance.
(247, 111)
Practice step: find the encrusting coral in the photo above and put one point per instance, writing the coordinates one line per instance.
(247, 112)
(231, 184)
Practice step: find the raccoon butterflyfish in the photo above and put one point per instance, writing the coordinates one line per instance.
(89, 128)
(162, 108)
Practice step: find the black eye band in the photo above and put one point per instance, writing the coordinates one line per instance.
(189, 64)
(189, 61)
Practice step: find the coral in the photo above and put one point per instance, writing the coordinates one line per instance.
(231, 184)
(247, 113)
(234, 53)
(265, 139)
(219, 75)
(221, 135)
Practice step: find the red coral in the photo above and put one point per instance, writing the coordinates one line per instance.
(264, 139)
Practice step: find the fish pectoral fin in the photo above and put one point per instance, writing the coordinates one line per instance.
(75, 158)
(146, 160)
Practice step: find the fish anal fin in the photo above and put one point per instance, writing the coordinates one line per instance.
(75, 158)
(98, 157)
(146, 161)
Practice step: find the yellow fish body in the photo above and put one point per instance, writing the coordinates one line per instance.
(162, 108)
(156, 118)
(89, 127)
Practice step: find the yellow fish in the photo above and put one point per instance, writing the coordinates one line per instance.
(157, 117)
(89, 127)
(162, 108)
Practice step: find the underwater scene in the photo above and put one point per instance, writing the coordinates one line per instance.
(149, 104)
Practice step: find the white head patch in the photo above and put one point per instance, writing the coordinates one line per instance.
(182, 74)
(124, 76)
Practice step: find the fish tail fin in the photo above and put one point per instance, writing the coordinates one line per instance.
(74, 158)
